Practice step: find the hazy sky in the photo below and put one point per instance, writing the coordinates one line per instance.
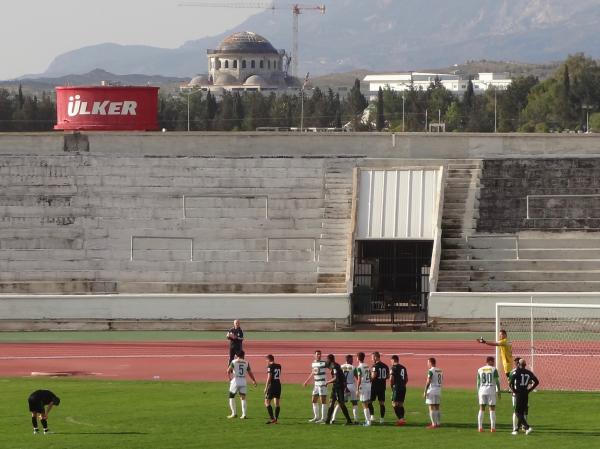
(33, 32)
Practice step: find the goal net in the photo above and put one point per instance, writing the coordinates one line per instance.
(560, 342)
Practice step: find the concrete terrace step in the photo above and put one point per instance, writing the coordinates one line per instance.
(510, 276)
(520, 265)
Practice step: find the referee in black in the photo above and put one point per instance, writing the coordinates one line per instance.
(521, 384)
(40, 404)
(338, 391)
(236, 339)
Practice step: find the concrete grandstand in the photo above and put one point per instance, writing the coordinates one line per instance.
(187, 230)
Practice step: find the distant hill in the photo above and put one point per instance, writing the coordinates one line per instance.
(380, 35)
(94, 77)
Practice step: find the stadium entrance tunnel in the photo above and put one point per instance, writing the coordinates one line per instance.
(391, 281)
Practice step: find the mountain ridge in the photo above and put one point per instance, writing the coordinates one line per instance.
(379, 35)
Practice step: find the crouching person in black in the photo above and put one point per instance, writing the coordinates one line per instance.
(40, 404)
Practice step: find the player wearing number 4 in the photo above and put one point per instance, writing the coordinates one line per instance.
(237, 371)
(488, 389)
(433, 393)
(273, 389)
(505, 350)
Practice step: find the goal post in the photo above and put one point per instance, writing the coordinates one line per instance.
(560, 342)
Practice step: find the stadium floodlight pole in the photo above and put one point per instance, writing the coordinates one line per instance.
(403, 100)
(302, 101)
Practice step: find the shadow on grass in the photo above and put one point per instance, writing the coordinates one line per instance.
(100, 433)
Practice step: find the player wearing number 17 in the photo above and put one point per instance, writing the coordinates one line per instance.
(522, 382)
(273, 389)
(488, 389)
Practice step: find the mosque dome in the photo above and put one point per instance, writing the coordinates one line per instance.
(246, 42)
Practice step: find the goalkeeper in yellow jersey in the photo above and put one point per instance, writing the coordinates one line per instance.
(505, 350)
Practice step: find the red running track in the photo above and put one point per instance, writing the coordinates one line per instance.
(207, 361)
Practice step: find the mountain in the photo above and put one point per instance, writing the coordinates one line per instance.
(380, 35)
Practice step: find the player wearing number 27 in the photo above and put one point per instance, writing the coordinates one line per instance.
(237, 371)
(488, 389)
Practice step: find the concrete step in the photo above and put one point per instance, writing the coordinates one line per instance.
(556, 276)
(520, 265)
(535, 286)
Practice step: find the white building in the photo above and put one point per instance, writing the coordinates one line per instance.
(456, 84)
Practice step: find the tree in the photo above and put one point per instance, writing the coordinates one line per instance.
(6, 110)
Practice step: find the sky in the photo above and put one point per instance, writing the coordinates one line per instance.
(34, 32)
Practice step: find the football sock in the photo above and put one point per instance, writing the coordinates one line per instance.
(277, 409)
(44, 424)
(345, 412)
(355, 412)
(492, 419)
(270, 410)
(432, 416)
(367, 415)
(323, 411)
(402, 412)
(371, 409)
(397, 411)
(480, 419)
(34, 422)
(335, 410)
(382, 410)
(243, 407)
(515, 422)
(327, 418)
(438, 417)
(232, 406)
(316, 411)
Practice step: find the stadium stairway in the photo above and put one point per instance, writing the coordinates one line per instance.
(537, 230)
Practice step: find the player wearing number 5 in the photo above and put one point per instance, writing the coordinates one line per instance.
(522, 383)
(488, 389)
(237, 371)
(433, 393)
(505, 349)
(273, 389)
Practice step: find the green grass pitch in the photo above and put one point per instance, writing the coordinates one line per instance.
(163, 415)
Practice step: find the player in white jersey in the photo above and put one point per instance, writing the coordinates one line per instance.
(433, 393)
(319, 375)
(351, 394)
(488, 387)
(363, 386)
(238, 368)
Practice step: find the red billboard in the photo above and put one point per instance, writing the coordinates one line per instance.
(107, 108)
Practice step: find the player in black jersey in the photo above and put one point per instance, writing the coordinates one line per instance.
(379, 376)
(338, 390)
(521, 384)
(40, 404)
(398, 381)
(273, 389)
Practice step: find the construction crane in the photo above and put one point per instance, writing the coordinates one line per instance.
(296, 8)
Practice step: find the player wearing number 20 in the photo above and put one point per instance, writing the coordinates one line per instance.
(273, 389)
(488, 389)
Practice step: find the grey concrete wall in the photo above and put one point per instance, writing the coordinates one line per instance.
(230, 213)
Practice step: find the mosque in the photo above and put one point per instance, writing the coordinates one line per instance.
(244, 61)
